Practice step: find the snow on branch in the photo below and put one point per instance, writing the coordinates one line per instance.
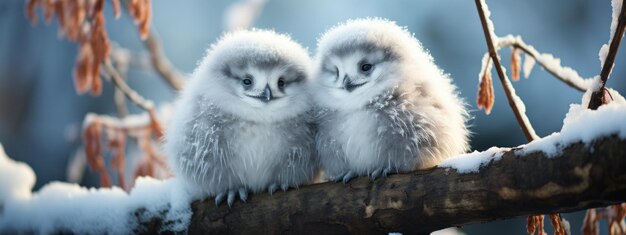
(551, 64)
(516, 104)
(580, 167)
(607, 59)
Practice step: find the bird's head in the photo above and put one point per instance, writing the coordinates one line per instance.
(361, 59)
(258, 75)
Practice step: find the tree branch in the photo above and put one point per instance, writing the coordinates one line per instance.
(597, 96)
(131, 94)
(161, 64)
(159, 61)
(565, 74)
(520, 115)
(581, 176)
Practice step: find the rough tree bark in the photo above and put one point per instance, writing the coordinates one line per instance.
(582, 176)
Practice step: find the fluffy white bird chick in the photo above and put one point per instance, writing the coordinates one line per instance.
(385, 106)
(243, 122)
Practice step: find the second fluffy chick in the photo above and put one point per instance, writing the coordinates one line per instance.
(385, 106)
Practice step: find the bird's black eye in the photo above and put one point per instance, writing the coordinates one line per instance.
(281, 82)
(366, 67)
(247, 82)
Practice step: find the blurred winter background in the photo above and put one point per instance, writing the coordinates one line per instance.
(41, 114)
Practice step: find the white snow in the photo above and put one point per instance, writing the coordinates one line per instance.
(490, 27)
(60, 206)
(604, 50)
(16, 180)
(547, 62)
(448, 231)
(529, 63)
(582, 124)
(471, 162)
(553, 65)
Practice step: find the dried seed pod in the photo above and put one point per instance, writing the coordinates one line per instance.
(516, 63)
(486, 96)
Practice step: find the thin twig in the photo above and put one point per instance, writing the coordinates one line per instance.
(131, 94)
(596, 96)
(578, 83)
(120, 103)
(161, 64)
(527, 128)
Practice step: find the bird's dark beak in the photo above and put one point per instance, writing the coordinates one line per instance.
(349, 86)
(266, 96)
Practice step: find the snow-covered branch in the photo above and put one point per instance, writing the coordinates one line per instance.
(607, 59)
(551, 64)
(508, 184)
(579, 167)
(517, 106)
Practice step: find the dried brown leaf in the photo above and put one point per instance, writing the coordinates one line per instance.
(141, 11)
(615, 217)
(155, 125)
(117, 144)
(590, 223)
(83, 75)
(49, 9)
(93, 150)
(485, 97)
(80, 21)
(116, 8)
(555, 220)
(516, 63)
(30, 10)
(535, 224)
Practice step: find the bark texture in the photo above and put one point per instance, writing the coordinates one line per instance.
(582, 176)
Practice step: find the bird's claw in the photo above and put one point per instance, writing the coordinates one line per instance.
(348, 176)
(219, 198)
(380, 173)
(243, 194)
(375, 174)
(230, 196)
(272, 188)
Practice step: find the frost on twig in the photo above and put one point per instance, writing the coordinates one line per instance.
(607, 59)
(515, 102)
(547, 61)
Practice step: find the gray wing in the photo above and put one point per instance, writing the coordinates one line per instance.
(331, 153)
(407, 136)
(300, 160)
(203, 150)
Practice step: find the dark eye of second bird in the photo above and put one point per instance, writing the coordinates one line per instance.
(247, 81)
(366, 67)
(281, 82)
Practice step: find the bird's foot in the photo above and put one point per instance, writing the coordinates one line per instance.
(230, 196)
(243, 194)
(347, 177)
(272, 188)
(380, 172)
